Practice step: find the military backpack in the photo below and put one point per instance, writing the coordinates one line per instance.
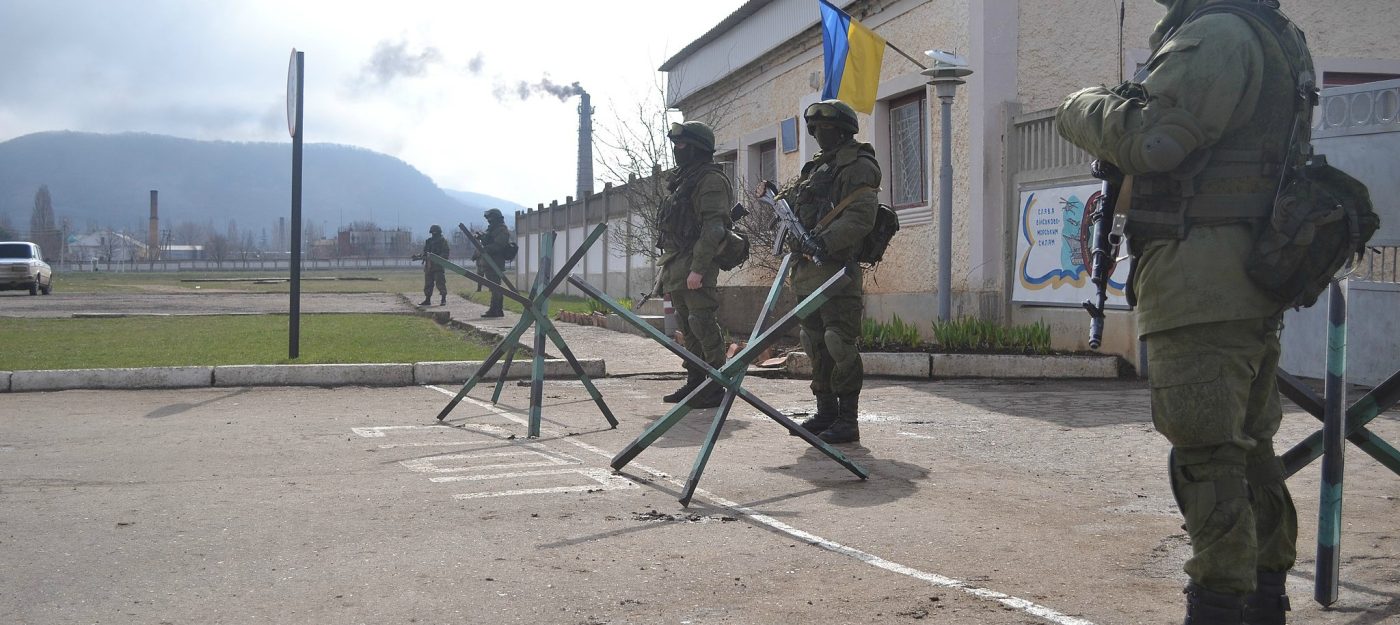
(1321, 217)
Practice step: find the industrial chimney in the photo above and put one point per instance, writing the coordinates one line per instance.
(585, 146)
(153, 235)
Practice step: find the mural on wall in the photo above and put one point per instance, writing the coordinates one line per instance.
(1053, 248)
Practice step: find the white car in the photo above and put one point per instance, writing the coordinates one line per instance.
(22, 266)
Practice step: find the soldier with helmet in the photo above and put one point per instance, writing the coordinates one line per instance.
(433, 273)
(500, 246)
(692, 224)
(843, 176)
(1205, 164)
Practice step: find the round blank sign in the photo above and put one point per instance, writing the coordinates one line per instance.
(292, 79)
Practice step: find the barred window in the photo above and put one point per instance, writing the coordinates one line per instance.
(768, 161)
(729, 162)
(908, 186)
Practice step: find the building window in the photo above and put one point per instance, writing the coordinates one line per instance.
(768, 161)
(908, 167)
(729, 162)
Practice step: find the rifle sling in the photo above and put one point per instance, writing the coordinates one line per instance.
(836, 210)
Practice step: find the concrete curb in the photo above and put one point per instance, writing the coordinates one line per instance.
(458, 372)
(393, 374)
(926, 366)
(102, 379)
(314, 375)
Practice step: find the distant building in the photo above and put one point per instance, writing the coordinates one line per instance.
(374, 243)
(106, 246)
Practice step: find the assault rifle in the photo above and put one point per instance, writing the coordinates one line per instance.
(1108, 222)
(789, 225)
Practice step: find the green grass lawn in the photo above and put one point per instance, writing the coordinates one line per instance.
(228, 340)
(557, 303)
(406, 280)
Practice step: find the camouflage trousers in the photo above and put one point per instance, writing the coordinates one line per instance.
(1215, 397)
(829, 338)
(497, 299)
(695, 315)
(435, 276)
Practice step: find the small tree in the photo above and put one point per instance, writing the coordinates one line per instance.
(43, 230)
(638, 160)
(217, 248)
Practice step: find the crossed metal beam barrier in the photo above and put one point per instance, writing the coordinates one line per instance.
(536, 313)
(1327, 443)
(730, 376)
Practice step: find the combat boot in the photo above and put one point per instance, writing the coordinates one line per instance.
(827, 408)
(1207, 607)
(427, 301)
(443, 302)
(692, 380)
(1269, 601)
(710, 397)
(846, 429)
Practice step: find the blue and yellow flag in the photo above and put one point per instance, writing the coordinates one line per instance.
(851, 59)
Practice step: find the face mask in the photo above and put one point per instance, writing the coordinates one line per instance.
(828, 137)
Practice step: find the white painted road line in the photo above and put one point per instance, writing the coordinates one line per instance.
(1016, 603)
(536, 459)
(606, 481)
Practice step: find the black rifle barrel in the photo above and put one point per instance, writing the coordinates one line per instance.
(1105, 250)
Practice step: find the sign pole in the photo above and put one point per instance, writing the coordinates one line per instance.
(294, 101)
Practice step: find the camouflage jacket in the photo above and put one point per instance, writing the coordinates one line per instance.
(826, 180)
(1220, 97)
(692, 222)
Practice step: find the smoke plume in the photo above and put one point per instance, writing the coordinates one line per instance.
(393, 60)
(524, 90)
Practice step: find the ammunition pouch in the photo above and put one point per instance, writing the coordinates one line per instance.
(1165, 206)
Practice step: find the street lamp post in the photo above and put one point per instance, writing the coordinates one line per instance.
(947, 73)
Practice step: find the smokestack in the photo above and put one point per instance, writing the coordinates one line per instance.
(153, 235)
(585, 146)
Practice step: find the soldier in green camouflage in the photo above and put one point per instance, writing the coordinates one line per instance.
(433, 273)
(1204, 135)
(843, 176)
(497, 242)
(692, 223)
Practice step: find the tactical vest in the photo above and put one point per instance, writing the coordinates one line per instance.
(1236, 179)
(815, 191)
(678, 222)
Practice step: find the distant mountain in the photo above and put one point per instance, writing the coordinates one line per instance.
(478, 203)
(105, 181)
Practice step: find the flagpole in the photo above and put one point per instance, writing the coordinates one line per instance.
(905, 55)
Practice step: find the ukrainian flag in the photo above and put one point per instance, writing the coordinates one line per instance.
(851, 59)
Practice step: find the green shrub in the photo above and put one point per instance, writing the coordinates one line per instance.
(979, 335)
(892, 335)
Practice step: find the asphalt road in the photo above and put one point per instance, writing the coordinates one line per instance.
(989, 503)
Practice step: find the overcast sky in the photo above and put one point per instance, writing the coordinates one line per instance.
(436, 83)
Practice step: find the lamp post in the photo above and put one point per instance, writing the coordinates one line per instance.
(947, 73)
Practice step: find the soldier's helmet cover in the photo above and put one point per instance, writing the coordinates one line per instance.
(435, 229)
(834, 112)
(694, 133)
(494, 213)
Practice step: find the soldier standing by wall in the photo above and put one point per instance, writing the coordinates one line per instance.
(1205, 134)
(693, 221)
(845, 174)
(500, 246)
(433, 273)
